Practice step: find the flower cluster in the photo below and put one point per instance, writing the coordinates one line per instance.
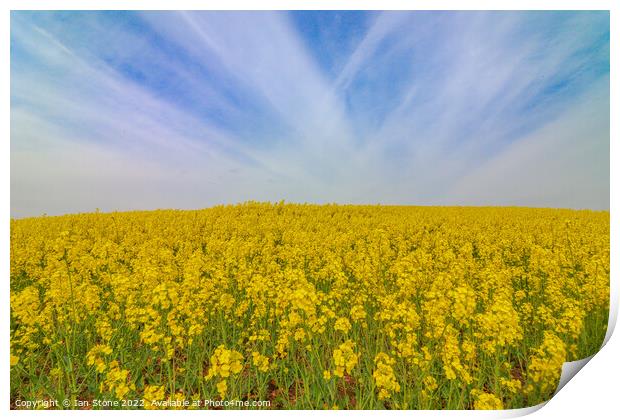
(152, 394)
(486, 401)
(546, 364)
(385, 380)
(345, 358)
(407, 306)
(96, 355)
(261, 362)
(116, 381)
(224, 362)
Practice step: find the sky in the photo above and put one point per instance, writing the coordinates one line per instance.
(145, 110)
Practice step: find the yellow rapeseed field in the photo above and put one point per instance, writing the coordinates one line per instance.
(307, 306)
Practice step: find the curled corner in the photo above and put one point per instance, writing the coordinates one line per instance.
(569, 370)
(614, 303)
(613, 314)
(520, 412)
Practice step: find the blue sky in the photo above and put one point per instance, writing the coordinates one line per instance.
(143, 110)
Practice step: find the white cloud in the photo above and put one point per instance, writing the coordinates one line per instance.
(563, 164)
(84, 135)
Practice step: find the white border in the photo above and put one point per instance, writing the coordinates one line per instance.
(315, 5)
(592, 394)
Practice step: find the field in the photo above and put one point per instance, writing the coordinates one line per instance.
(305, 306)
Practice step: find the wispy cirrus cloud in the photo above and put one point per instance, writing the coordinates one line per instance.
(122, 110)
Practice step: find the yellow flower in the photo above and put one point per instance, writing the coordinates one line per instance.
(116, 381)
(300, 334)
(224, 362)
(96, 357)
(342, 324)
(152, 394)
(345, 358)
(545, 366)
(222, 387)
(511, 385)
(430, 383)
(357, 312)
(453, 297)
(385, 380)
(260, 361)
(486, 401)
